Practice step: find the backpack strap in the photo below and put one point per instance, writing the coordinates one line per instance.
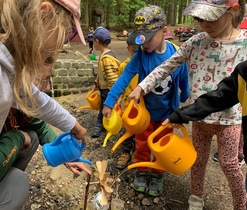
(112, 57)
(110, 53)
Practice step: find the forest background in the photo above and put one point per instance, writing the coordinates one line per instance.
(119, 14)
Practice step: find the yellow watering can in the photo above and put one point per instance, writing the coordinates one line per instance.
(118, 108)
(112, 125)
(135, 120)
(173, 153)
(93, 98)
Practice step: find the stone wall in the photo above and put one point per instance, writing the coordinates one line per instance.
(70, 76)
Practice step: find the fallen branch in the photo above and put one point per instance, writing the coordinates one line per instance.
(210, 185)
(87, 191)
(176, 201)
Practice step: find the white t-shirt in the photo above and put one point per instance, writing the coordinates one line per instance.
(209, 62)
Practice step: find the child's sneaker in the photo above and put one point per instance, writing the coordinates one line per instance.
(140, 181)
(123, 161)
(156, 184)
(97, 130)
(195, 203)
(241, 161)
(216, 157)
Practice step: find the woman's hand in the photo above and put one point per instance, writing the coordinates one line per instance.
(135, 94)
(77, 167)
(106, 112)
(27, 141)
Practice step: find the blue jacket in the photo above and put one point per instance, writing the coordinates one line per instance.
(166, 97)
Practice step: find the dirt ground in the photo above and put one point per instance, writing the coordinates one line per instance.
(56, 188)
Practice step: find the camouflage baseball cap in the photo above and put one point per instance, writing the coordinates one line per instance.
(147, 21)
(208, 10)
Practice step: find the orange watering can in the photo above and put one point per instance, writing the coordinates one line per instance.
(93, 98)
(112, 125)
(135, 120)
(173, 153)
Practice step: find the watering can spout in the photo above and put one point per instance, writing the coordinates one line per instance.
(112, 125)
(84, 107)
(83, 160)
(120, 141)
(153, 165)
(108, 135)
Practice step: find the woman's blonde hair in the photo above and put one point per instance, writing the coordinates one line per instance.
(24, 28)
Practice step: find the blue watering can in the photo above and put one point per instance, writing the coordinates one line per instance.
(65, 148)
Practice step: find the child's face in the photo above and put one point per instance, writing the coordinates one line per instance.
(52, 33)
(49, 48)
(131, 49)
(42, 80)
(155, 42)
(219, 28)
(96, 44)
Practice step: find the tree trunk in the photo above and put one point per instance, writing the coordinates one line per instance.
(85, 12)
(186, 17)
(170, 15)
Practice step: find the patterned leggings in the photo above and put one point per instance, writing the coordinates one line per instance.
(228, 140)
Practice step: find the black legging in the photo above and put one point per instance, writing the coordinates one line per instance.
(103, 95)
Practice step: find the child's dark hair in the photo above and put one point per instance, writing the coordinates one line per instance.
(105, 42)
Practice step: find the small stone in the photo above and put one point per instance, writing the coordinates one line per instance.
(145, 202)
(35, 206)
(140, 196)
(156, 200)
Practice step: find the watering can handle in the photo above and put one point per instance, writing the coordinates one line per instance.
(83, 145)
(141, 101)
(163, 127)
(131, 103)
(157, 132)
(118, 109)
(90, 91)
(186, 135)
(60, 137)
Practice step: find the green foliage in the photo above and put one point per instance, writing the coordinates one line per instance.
(123, 10)
(120, 13)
